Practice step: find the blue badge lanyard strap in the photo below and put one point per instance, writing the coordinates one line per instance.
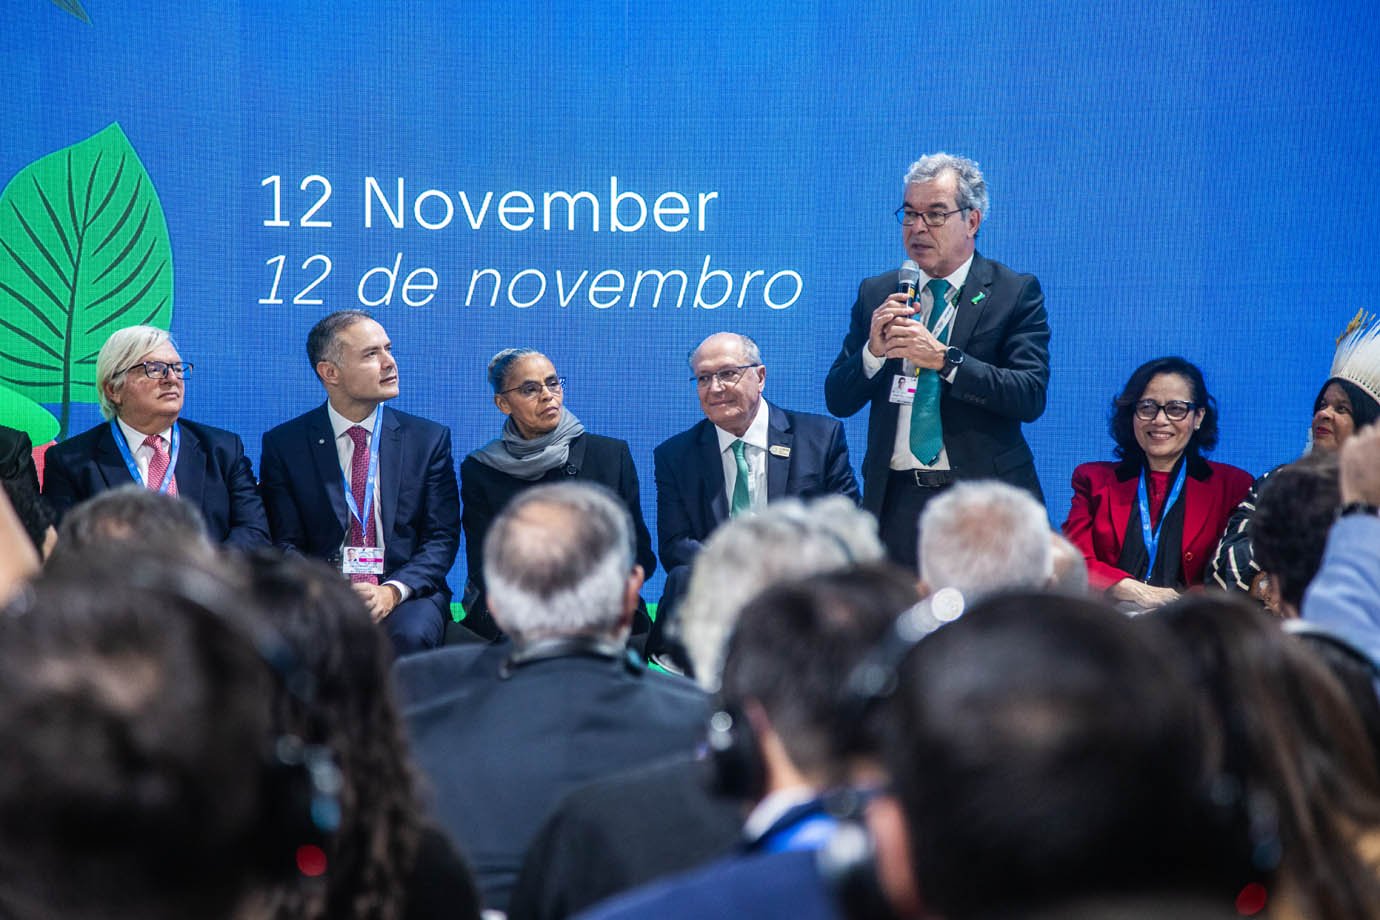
(1150, 535)
(175, 442)
(363, 519)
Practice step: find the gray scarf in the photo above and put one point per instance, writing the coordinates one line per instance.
(526, 459)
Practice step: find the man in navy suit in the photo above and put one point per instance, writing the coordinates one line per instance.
(365, 487)
(140, 381)
(951, 369)
(744, 454)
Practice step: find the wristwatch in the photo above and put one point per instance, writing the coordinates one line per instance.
(952, 359)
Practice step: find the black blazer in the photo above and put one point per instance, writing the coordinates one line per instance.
(1002, 329)
(485, 492)
(690, 497)
(419, 508)
(212, 473)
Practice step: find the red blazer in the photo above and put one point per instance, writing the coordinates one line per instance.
(1103, 496)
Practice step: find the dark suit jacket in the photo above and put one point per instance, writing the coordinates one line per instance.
(1103, 496)
(419, 509)
(1003, 332)
(212, 473)
(772, 886)
(690, 496)
(604, 838)
(485, 492)
(500, 752)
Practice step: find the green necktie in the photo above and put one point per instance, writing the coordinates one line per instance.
(742, 501)
(926, 430)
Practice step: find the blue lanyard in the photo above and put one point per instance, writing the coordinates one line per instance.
(1152, 536)
(133, 467)
(363, 520)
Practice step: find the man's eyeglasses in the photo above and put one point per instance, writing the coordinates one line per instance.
(1176, 410)
(531, 389)
(726, 377)
(159, 370)
(907, 218)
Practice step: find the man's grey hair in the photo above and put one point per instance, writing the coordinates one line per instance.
(123, 348)
(985, 536)
(751, 353)
(148, 521)
(557, 560)
(1070, 568)
(788, 539)
(972, 188)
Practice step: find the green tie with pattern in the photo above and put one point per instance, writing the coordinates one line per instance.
(742, 501)
(926, 430)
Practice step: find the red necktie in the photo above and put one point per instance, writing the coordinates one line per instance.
(359, 478)
(158, 465)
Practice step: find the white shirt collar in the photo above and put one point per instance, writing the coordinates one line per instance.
(756, 434)
(135, 438)
(340, 424)
(957, 279)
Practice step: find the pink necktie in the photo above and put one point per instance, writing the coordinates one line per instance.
(359, 478)
(158, 465)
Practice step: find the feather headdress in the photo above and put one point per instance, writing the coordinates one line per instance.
(1358, 354)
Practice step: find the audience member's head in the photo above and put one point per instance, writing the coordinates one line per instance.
(558, 562)
(789, 539)
(1358, 675)
(350, 711)
(793, 651)
(136, 718)
(1296, 752)
(985, 536)
(1042, 751)
(1295, 511)
(1070, 574)
(154, 522)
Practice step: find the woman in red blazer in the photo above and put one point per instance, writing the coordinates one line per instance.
(1148, 524)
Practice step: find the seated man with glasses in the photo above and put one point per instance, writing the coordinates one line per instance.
(951, 365)
(140, 381)
(368, 488)
(742, 455)
(541, 442)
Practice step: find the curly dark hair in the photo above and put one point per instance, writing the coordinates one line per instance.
(1293, 515)
(1121, 424)
(353, 712)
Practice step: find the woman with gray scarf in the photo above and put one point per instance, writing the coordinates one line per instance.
(541, 441)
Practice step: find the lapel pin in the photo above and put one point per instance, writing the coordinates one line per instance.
(979, 297)
(779, 450)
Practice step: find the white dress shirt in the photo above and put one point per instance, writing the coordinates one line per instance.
(901, 457)
(345, 453)
(754, 451)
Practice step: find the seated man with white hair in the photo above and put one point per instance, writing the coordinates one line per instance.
(982, 537)
(503, 731)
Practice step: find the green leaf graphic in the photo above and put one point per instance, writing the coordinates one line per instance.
(74, 7)
(83, 251)
(28, 416)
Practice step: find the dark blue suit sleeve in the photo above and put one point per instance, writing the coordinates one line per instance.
(838, 476)
(60, 487)
(284, 521)
(630, 490)
(847, 388)
(677, 537)
(248, 523)
(438, 536)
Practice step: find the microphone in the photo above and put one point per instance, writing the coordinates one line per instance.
(909, 280)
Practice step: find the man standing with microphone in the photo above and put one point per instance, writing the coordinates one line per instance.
(952, 359)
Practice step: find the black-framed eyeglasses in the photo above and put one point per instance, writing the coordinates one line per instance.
(159, 370)
(531, 389)
(907, 217)
(1176, 410)
(726, 377)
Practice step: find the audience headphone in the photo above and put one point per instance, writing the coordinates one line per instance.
(300, 783)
